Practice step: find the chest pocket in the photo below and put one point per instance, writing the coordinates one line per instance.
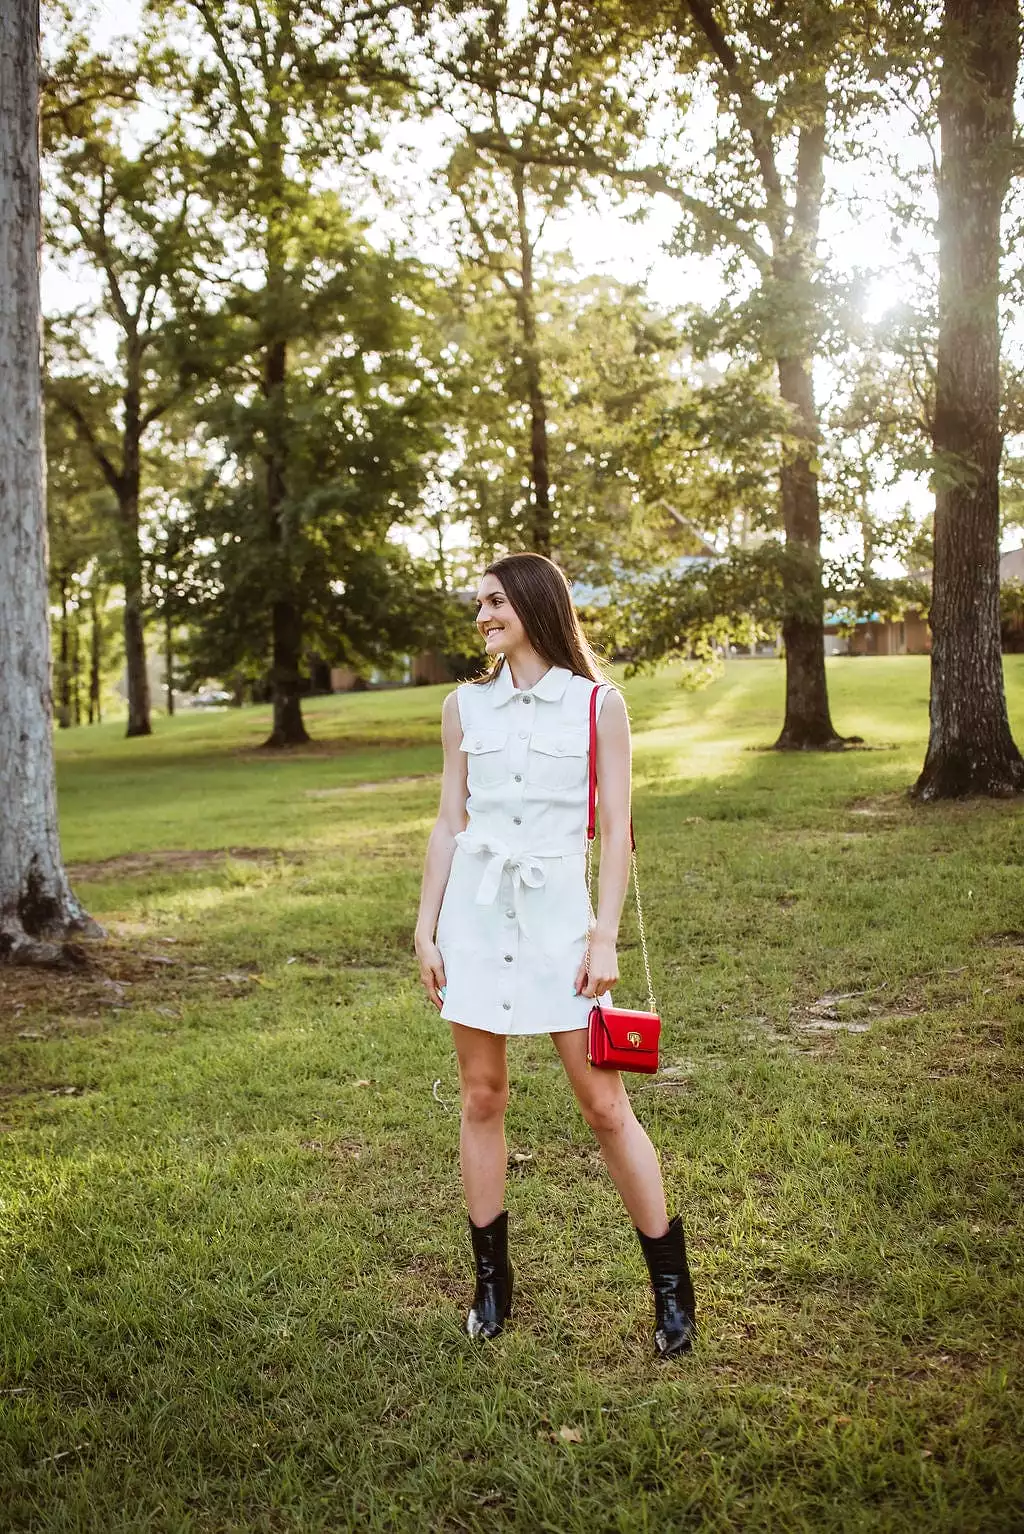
(485, 751)
(557, 758)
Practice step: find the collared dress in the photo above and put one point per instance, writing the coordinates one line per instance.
(513, 923)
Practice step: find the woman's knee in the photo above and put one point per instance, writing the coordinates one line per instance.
(607, 1116)
(484, 1099)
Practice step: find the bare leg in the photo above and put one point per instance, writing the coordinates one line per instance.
(628, 1153)
(483, 1078)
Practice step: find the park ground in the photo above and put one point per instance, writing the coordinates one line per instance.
(232, 1244)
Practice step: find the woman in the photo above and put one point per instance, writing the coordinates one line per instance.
(505, 885)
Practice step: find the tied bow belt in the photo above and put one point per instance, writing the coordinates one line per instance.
(523, 868)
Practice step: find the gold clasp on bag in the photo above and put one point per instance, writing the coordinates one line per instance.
(634, 1039)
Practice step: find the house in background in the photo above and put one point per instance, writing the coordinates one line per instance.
(846, 634)
(909, 634)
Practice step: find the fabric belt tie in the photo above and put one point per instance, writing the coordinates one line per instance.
(523, 869)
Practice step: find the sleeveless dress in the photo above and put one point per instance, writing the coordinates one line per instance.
(513, 923)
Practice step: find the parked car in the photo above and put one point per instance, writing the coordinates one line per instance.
(207, 697)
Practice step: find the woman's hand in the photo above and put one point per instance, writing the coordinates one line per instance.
(604, 968)
(431, 969)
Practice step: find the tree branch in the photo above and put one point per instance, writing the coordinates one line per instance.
(487, 257)
(653, 178)
(750, 112)
(235, 90)
(88, 437)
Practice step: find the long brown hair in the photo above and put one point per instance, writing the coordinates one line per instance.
(539, 592)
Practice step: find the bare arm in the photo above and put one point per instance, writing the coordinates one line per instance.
(451, 818)
(614, 764)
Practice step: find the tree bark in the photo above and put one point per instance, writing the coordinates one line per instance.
(95, 652)
(64, 663)
(38, 911)
(139, 718)
(540, 521)
(808, 722)
(286, 611)
(76, 666)
(169, 660)
(970, 747)
(286, 616)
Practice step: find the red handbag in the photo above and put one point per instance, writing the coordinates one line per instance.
(618, 1039)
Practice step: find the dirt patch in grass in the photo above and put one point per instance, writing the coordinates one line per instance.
(340, 745)
(130, 865)
(882, 806)
(354, 788)
(120, 977)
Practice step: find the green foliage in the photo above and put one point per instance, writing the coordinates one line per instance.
(695, 612)
(359, 409)
(1011, 603)
(740, 599)
(616, 386)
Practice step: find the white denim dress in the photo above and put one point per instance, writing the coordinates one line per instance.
(515, 915)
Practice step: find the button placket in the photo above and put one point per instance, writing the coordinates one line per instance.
(510, 939)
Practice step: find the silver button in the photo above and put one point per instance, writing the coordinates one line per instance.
(511, 915)
(517, 820)
(527, 698)
(507, 1006)
(519, 777)
(508, 958)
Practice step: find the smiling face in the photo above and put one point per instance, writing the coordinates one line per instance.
(496, 618)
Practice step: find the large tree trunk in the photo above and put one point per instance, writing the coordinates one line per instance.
(64, 664)
(76, 664)
(95, 653)
(37, 909)
(286, 616)
(970, 748)
(169, 660)
(139, 721)
(540, 521)
(808, 722)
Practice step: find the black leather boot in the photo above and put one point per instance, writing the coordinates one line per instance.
(675, 1309)
(492, 1298)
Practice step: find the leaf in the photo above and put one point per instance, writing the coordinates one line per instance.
(570, 1434)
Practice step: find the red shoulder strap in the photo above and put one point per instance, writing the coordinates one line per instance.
(592, 762)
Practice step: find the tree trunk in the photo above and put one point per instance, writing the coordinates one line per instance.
(37, 909)
(286, 616)
(95, 654)
(970, 747)
(540, 521)
(169, 660)
(76, 665)
(139, 721)
(64, 663)
(808, 722)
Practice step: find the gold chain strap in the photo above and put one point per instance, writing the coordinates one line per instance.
(639, 917)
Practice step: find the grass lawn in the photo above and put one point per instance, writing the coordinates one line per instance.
(232, 1242)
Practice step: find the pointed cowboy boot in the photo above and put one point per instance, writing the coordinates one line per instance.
(492, 1297)
(675, 1310)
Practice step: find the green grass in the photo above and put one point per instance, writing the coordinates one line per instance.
(231, 1234)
